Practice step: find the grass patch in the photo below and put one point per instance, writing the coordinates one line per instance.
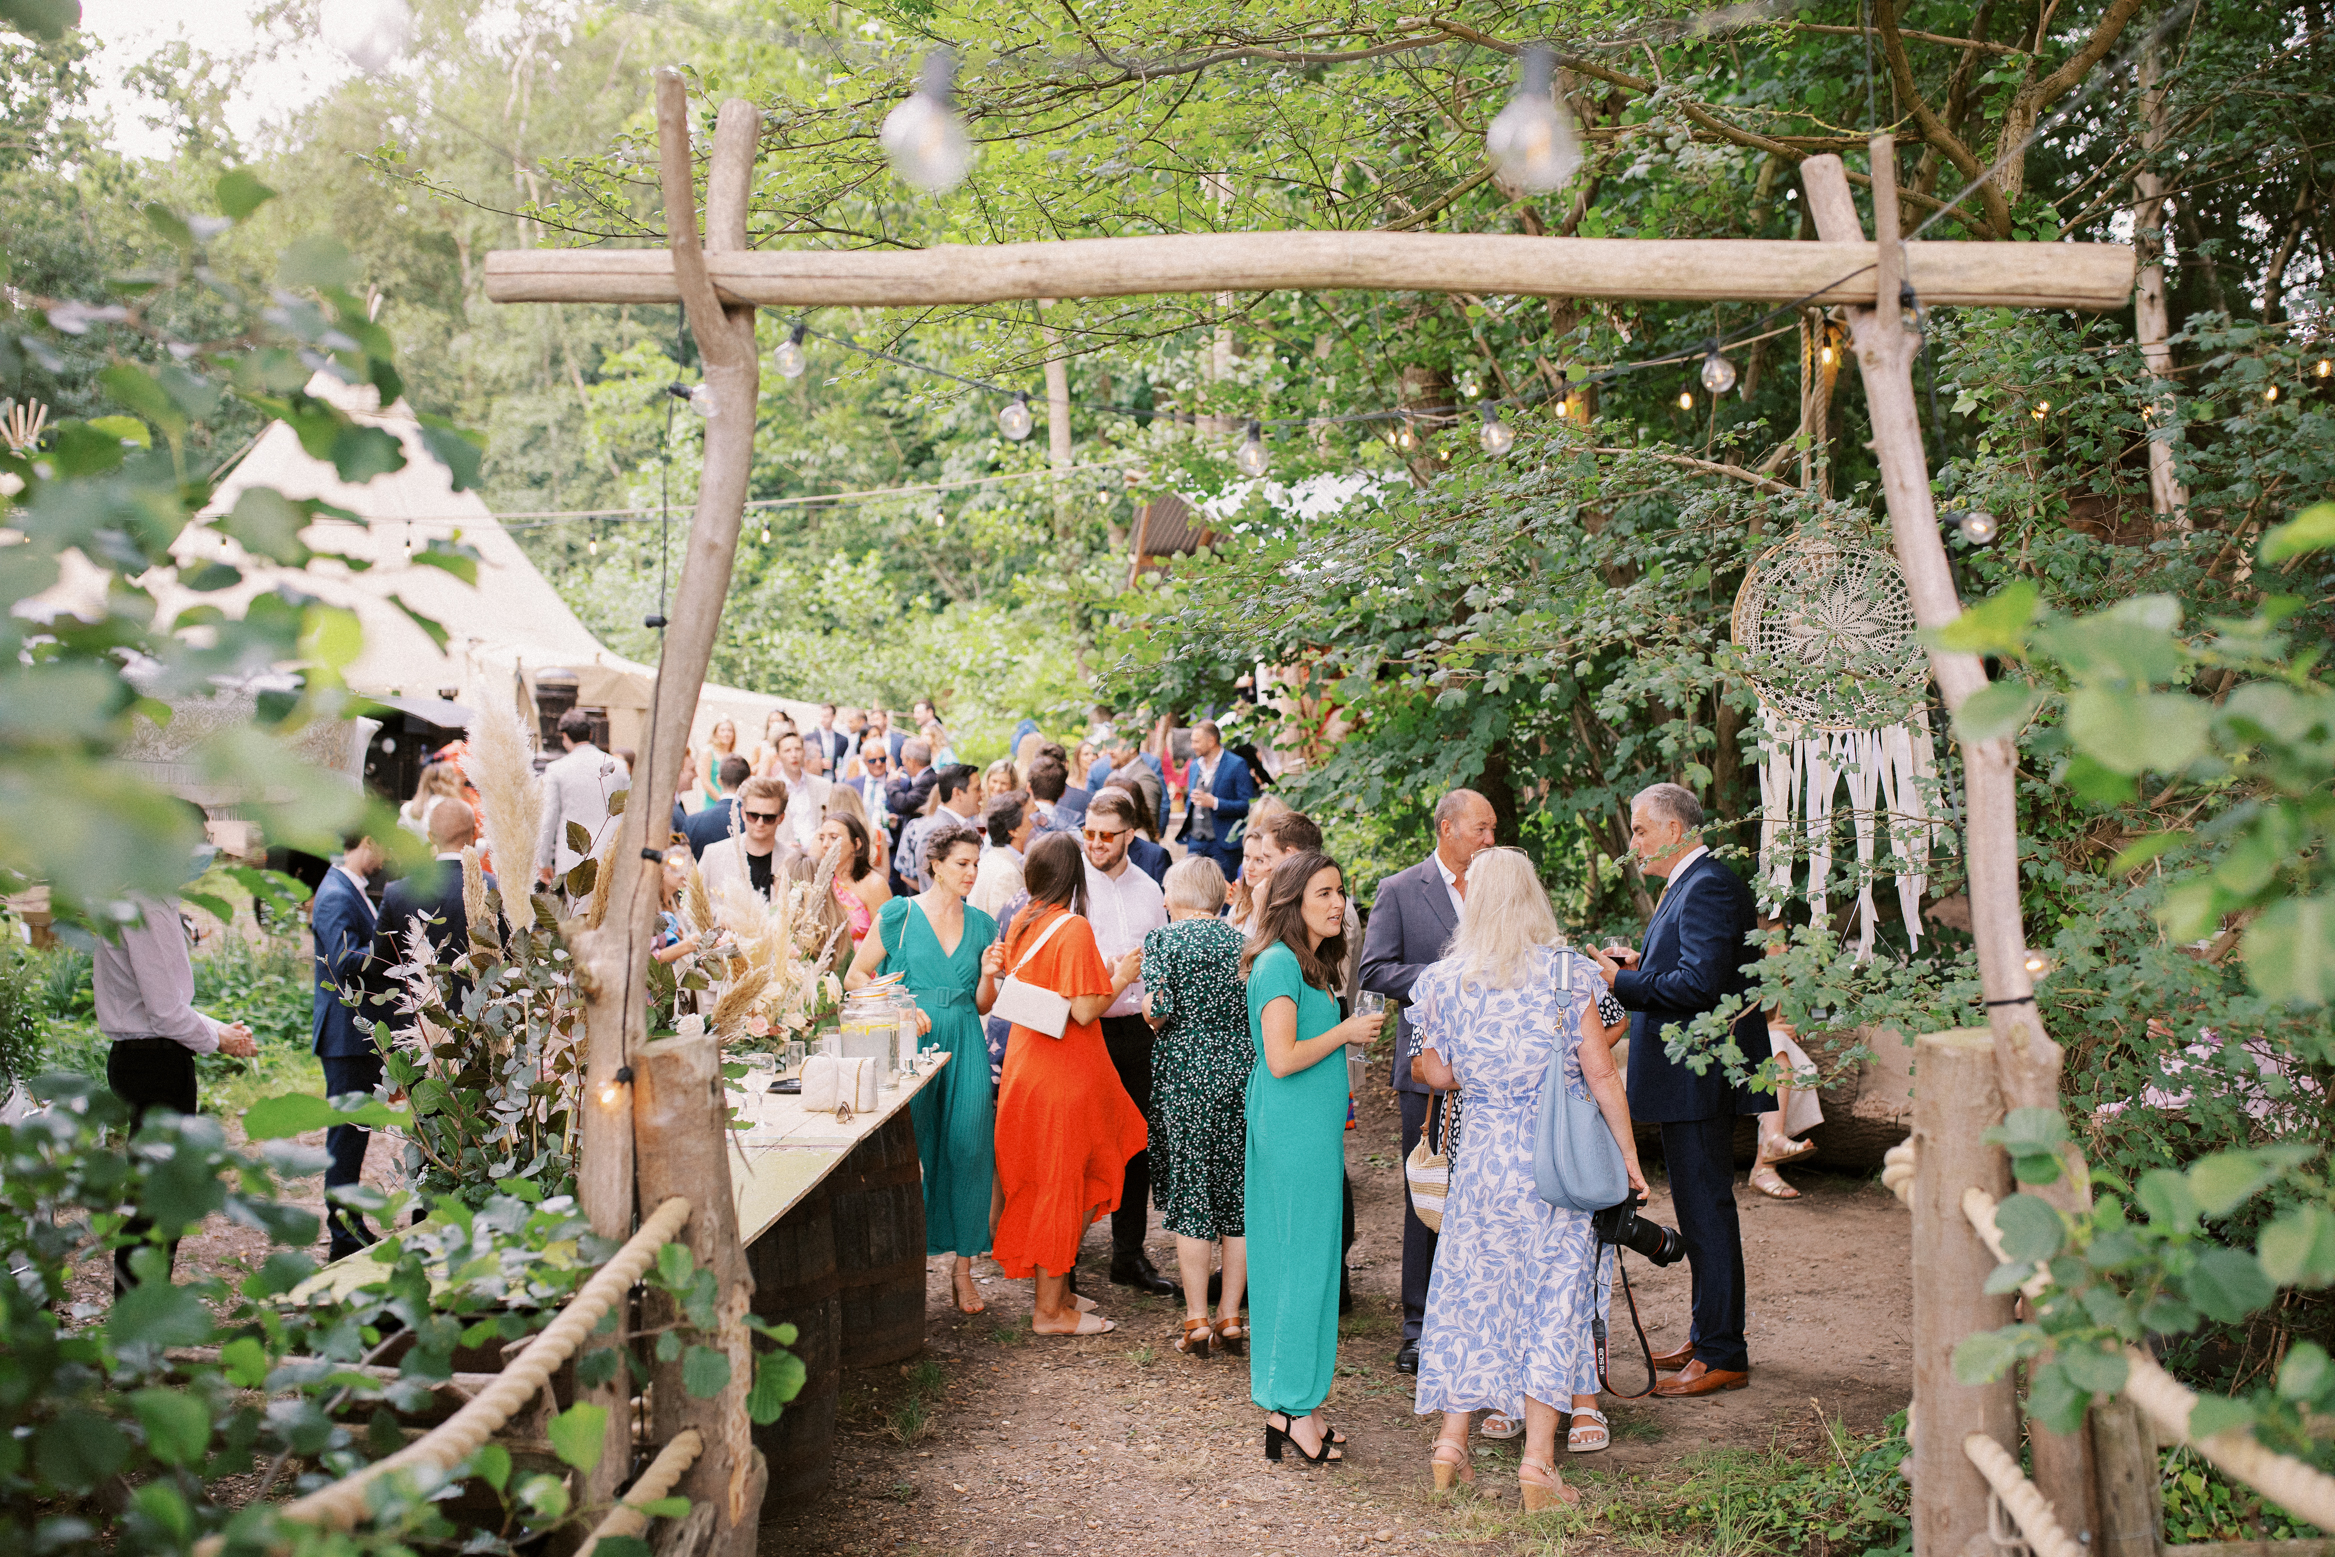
(1746, 1501)
(910, 1420)
(2201, 1504)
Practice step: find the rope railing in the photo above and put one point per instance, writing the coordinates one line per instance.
(663, 1474)
(341, 1505)
(2021, 1498)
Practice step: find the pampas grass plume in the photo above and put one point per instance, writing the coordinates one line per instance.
(503, 772)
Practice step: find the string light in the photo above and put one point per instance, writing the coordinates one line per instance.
(1531, 145)
(1496, 436)
(2271, 393)
(1015, 420)
(1686, 400)
(2042, 410)
(2037, 963)
(1976, 525)
(2325, 369)
(790, 359)
(592, 546)
(766, 535)
(1718, 373)
(923, 137)
(1404, 438)
(702, 401)
(1825, 354)
(1251, 458)
(374, 34)
(615, 1086)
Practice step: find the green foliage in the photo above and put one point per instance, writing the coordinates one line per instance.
(1850, 1503)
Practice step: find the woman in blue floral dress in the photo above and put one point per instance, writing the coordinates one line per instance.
(1514, 1289)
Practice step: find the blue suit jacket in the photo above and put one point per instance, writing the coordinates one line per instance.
(342, 921)
(1234, 789)
(1694, 956)
(1411, 923)
(1149, 858)
(709, 826)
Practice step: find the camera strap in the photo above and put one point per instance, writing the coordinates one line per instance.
(1597, 1329)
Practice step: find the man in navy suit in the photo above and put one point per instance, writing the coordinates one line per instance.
(1694, 957)
(1220, 789)
(1412, 921)
(430, 898)
(711, 825)
(341, 919)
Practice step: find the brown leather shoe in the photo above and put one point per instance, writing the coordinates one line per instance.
(1699, 1380)
(1671, 1362)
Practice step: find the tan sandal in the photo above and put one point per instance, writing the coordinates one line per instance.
(1542, 1487)
(1454, 1468)
(1232, 1337)
(1197, 1338)
(1793, 1152)
(1770, 1183)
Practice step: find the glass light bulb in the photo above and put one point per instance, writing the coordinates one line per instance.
(927, 144)
(2042, 409)
(1979, 527)
(701, 400)
(1532, 144)
(2271, 393)
(2326, 368)
(1825, 356)
(790, 359)
(1686, 400)
(1405, 439)
(592, 547)
(1496, 436)
(1251, 459)
(374, 34)
(1718, 373)
(2038, 963)
(1015, 420)
(766, 535)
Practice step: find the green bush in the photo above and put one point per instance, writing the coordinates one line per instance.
(268, 984)
(23, 1021)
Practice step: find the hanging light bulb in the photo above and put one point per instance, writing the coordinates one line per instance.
(790, 359)
(766, 535)
(1718, 372)
(2042, 409)
(1496, 436)
(1405, 439)
(1251, 459)
(374, 34)
(2270, 394)
(1531, 143)
(1824, 355)
(1976, 525)
(592, 547)
(1686, 400)
(927, 144)
(1015, 421)
(2326, 368)
(2037, 963)
(615, 1085)
(701, 400)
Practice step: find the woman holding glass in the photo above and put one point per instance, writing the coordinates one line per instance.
(1296, 1159)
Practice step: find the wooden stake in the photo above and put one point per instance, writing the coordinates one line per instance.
(1057, 421)
(683, 1124)
(2150, 322)
(2131, 1502)
(1956, 1098)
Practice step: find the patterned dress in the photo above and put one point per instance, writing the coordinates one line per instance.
(1515, 1283)
(1199, 1076)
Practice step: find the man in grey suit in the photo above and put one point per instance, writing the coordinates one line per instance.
(576, 789)
(1411, 923)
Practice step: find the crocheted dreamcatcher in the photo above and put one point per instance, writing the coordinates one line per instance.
(1826, 631)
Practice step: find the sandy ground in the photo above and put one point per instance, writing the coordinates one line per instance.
(1118, 1444)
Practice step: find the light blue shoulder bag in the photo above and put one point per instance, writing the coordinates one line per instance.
(1576, 1163)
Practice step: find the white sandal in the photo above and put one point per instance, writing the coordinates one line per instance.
(1588, 1433)
(1498, 1424)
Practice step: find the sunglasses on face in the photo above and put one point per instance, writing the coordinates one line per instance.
(764, 817)
(1098, 835)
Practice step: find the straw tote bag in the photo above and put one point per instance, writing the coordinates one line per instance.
(1033, 1005)
(1428, 1168)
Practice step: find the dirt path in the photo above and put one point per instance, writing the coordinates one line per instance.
(997, 1441)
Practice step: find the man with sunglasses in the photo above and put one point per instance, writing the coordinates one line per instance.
(756, 852)
(1124, 905)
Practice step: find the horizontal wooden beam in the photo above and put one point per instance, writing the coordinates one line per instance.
(1699, 270)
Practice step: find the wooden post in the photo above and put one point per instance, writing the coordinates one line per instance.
(2150, 323)
(1957, 1096)
(683, 1124)
(1057, 421)
(613, 960)
(2132, 1513)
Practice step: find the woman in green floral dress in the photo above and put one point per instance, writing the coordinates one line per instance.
(1199, 1084)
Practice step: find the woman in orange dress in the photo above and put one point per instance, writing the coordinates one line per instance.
(1065, 1125)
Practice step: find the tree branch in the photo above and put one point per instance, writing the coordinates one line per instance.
(1924, 37)
(2060, 82)
(1933, 129)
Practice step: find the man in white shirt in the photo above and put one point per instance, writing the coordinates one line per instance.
(828, 746)
(144, 983)
(1124, 905)
(577, 789)
(806, 792)
(1008, 821)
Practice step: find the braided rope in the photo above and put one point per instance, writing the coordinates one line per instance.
(664, 1471)
(1897, 1170)
(2300, 1489)
(341, 1505)
(2021, 1497)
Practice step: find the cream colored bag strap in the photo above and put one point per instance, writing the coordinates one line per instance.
(1044, 936)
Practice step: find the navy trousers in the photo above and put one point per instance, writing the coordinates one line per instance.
(1700, 1155)
(1418, 1237)
(345, 1145)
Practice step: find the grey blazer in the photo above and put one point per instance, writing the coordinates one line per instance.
(1410, 925)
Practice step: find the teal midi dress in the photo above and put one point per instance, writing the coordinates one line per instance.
(1294, 1205)
(955, 1116)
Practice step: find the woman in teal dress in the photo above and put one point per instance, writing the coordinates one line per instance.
(1296, 1112)
(934, 941)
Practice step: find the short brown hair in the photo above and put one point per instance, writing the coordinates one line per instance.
(768, 786)
(1294, 831)
(1116, 803)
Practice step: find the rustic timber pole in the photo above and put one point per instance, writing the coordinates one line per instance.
(1957, 1096)
(613, 960)
(2168, 498)
(1058, 452)
(682, 1119)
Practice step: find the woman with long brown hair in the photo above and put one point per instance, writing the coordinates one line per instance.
(1065, 1125)
(1293, 1200)
(721, 743)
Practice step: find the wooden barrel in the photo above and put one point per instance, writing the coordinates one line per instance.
(794, 1282)
(878, 1194)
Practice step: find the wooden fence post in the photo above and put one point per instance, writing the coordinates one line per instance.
(682, 1122)
(2132, 1516)
(1956, 1097)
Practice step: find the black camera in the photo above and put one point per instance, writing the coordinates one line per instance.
(1622, 1226)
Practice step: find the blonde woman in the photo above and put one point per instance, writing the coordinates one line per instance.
(1025, 752)
(440, 782)
(999, 778)
(1260, 851)
(1515, 1284)
(766, 753)
(722, 743)
(874, 889)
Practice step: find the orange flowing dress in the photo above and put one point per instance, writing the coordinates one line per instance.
(1065, 1126)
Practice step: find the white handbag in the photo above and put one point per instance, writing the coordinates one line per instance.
(1033, 1005)
(835, 1085)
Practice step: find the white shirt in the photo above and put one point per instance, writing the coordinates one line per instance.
(1123, 910)
(806, 808)
(1450, 884)
(360, 881)
(1000, 879)
(145, 983)
(1684, 860)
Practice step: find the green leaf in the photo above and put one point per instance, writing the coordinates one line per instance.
(778, 1378)
(580, 877)
(240, 193)
(2141, 851)
(705, 1372)
(2229, 1284)
(675, 1508)
(2031, 1228)
(521, 1189)
(2290, 950)
(1995, 626)
(450, 557)
(2297, 1249)
(2129, 733)
(361, 453)
(1998, 709)
(2164, 1193)
(2219, 1414)
(2311, 530)
(437, 634)
(155, 1313)
(177, 1423)
(675, 1264)
(245, 1362)
(79, 1449)
(1981, 1358)
(2100, 785)
(127, 428)
(136, 388)
(2226, 1180)
(579, 1435)
(268, 524)
(2307, 1372)
(287, 1114)
(316, 262)
(47, 20)
(162, 1502)
(2054, 1399)
(545, 1498)
(2096, 1370)
(492, 1462)
(623, 1546)
(462, 453)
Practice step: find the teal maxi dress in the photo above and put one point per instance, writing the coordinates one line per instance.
(1294, 1207)
(955, 1116)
